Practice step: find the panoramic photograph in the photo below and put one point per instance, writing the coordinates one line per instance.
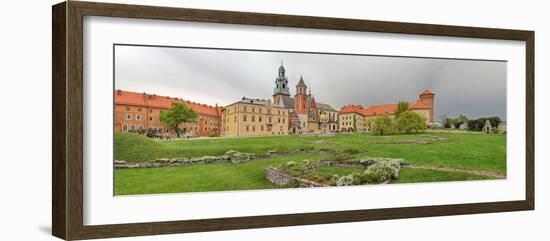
(190, 119)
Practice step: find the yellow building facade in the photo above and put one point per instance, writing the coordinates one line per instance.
(254, 117)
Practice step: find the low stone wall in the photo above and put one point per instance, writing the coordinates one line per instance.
(334, 163)
(234, 157)
(281, 178)
(278, 177)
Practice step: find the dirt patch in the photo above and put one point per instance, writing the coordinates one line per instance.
(428, 140)
(495, 175)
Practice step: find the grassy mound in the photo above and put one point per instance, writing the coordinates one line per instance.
(131, 147)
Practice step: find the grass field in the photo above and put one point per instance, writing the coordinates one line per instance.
(472, 151)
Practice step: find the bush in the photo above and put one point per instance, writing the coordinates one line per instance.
(151, 133)
(382, 171)
(410, 122)
(383, 125)
(212, 134)
(346, 180)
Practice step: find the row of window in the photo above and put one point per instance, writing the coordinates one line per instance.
(126, 127)
(254, 109)
(347, 117)
(138, 109)
(253, 128)
(137, 117)
(253, 119)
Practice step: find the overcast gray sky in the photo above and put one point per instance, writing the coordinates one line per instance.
(473, 88)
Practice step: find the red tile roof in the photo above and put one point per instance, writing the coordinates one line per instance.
(162, 102)
(351, 109)
(427, 92)
(387, 109)
(374, 110)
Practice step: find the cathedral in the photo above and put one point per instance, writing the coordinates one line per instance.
(305, 114)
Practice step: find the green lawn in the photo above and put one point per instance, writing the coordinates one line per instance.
(463, 151)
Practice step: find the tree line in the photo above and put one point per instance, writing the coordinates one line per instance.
(473, 124)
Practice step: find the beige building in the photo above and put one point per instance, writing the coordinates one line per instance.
(346, 119)
(423, 106)
(254, 117)
(328, 118)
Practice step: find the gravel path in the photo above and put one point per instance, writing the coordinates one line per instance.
(470, 171)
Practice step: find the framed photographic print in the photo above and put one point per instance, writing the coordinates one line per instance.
(171, 120)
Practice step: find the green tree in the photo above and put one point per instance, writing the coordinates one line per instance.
(449, 122)
(383, 125)
(402, 106)
(180, 113)
(459, 120)
(410, 122)
(354, 123)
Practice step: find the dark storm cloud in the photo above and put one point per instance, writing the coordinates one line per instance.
(473, 88)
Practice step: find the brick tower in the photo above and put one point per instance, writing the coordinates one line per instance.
(301, 99)
(427, 98)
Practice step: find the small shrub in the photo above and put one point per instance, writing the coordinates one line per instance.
(212, 134)
(382, 171)
(346, 180)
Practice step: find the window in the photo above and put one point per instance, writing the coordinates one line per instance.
(245, 108)
(278, 112)
(278, 120)
(139, 109)
(150, 118)
(269, 120)
(140, 128)
(259, 119)
(128, 116)
(160, 129)
(235, 119)
(283, 120)
(253, 117)
(127, 108)
(133, 127)
(262, 127)
(150, 111)
(138, 117)
(244, 117)
(253, 128)
(253, 109)
(124, 128)
(247, 128)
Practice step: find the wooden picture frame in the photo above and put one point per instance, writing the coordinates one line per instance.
(67, 123)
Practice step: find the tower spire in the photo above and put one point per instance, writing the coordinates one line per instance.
(281, 82)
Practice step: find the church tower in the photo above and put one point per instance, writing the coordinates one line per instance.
(301, 98)
(281, 85)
